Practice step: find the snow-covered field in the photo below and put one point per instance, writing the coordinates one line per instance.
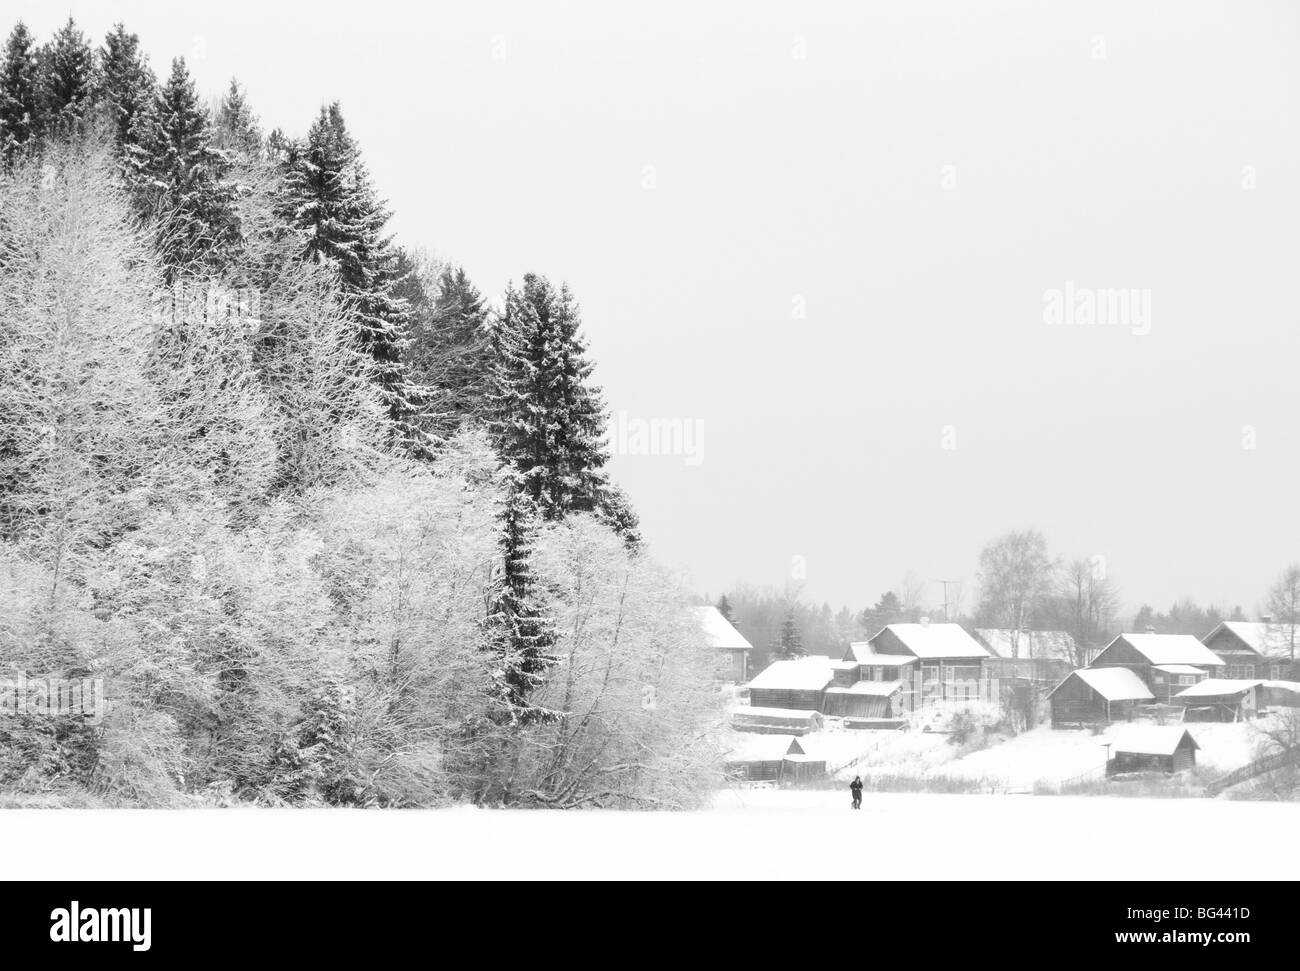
(749, 834)
(1042, 755)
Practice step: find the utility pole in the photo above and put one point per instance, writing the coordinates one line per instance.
(945, 596)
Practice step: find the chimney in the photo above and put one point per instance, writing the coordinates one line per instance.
(925, 621)
(1150, 629)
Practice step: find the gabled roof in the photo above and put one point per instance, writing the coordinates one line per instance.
(812, 673)
(1218, 687)
(1267, 640)
(863, 653)
(718, 632)
(935, 641)
(1044, 644)
(764, 748)
(1113, 684)
(1149, 739)
(1166, 649)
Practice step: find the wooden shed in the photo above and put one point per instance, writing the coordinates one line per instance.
(1221, 700)
(864, 699)
(1151, 748)
(798, 684)
(774, 758)
(1093, 696)
(760, 759)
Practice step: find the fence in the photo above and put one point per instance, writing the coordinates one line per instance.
(1251, 769)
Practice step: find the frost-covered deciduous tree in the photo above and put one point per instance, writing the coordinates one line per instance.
(80, 420)
(634, 683)
(1015, 576)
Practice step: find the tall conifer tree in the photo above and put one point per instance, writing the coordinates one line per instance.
(19, 105)
(67, 81)
(333, 204)
(521, 635)
(550, 419)
(179, 178)
(126, 83)
(237, 128)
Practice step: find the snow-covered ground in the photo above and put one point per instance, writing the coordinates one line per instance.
(748, 834)
(1042, 755)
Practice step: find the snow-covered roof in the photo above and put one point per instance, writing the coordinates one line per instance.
(1048, 644)
(761, 712)
(1149, 739)
(933, 641)
(878, 689)
(863, 653)
(1178, 669)
(1215, 687)
(763, 748)
(810, 673)
(1166, 649)
(1113, 684)
(1266, 640)
(718, 632)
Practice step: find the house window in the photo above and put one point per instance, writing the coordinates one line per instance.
(1275, 672)
(1187, 679)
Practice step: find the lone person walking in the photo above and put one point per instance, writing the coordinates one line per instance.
(856, 788)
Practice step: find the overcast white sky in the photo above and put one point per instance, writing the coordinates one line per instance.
(918, 174)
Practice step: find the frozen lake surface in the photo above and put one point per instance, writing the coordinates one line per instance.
(748, 834)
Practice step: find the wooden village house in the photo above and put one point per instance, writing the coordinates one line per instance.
(1166, 663)
(1027, 655)
(733, 650)
(1092, 696)
(1252, 650)
(949, 663)
(798, 684)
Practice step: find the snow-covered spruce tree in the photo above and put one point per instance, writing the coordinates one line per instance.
(331, 202)
(178, 179)
(520, 633)
(450, 353)
(789, 641)
(19, 105)
(126, 84)
(548, 418)
(67, 82)
(237, 129)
